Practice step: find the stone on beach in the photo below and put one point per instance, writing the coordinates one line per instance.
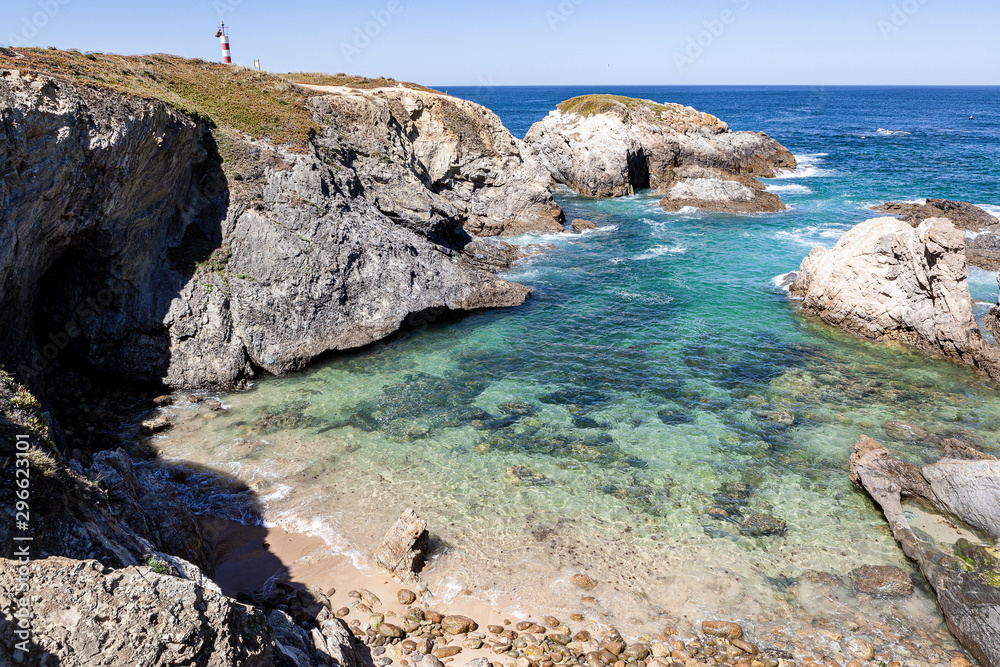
(404, 548)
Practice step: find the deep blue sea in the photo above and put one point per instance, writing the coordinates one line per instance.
(656, 375)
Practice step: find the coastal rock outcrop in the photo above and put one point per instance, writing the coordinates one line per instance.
(436, 159)
(610, 146)
(887, 280)
(982, 243)
(82, 614)
(160, 249)
(966, 578)
(85, 615)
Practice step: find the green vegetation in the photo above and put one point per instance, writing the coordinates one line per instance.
(157, 566)
(262, 105)
(592, 105)
(359, 82)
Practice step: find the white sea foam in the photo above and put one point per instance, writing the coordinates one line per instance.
(813, 235)
(808, 167)
(991, 209)
(789, 189)
(891, 133)
(659, 251)
(784, 281)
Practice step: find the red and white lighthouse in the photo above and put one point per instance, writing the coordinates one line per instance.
(223, 34)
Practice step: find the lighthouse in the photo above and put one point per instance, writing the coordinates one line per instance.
(223, 34)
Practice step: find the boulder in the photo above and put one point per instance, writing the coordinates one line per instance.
(83, 614)
(969, 491)
(886, 280)
(610, 146)
(579, 225)
(404, 547)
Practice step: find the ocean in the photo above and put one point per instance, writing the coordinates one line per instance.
(657, 375)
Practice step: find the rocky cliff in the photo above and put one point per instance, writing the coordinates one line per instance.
(965, 573)
(888, 280)
(609, 146)
(177, 247)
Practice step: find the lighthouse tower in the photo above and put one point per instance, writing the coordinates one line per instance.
(223, 34)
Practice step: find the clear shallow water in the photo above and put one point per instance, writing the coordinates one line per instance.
(600, 427)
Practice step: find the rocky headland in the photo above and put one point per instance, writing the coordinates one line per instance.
(887, 280)
(610, 146)
(172, 247)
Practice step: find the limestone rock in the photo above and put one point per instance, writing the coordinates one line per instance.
(579, 225)
(609, 146)
(886, 280)
(432, 153)
(83, 614)
(404, 547)
(970, 601)
(138, 246)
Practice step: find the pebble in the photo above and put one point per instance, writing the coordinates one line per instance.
(495, 629)
(457, 625)
(552, 621)
(370, 597)
(447, 651)
(406, 596)
(584, 581)
(342, 612)
(576, 617)
(723, 629)
(861, 648)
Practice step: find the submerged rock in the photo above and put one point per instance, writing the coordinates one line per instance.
(763, 525)
(609, 146)
(579, 225)
(888, 281)
(904, 432)
(882, 580)
(965, 490)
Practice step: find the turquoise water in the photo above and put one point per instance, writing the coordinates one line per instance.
(657, 375)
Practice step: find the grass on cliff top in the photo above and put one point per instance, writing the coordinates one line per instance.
(592, 105)
(348, 81)
(262, 105)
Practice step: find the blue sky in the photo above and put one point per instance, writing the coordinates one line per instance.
(712, 42)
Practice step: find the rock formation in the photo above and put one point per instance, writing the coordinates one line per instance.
(966, 578)
(963, 215)
(404, 547)
(982, 243)
(887, 280)
(609, 146)
(161, 250)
